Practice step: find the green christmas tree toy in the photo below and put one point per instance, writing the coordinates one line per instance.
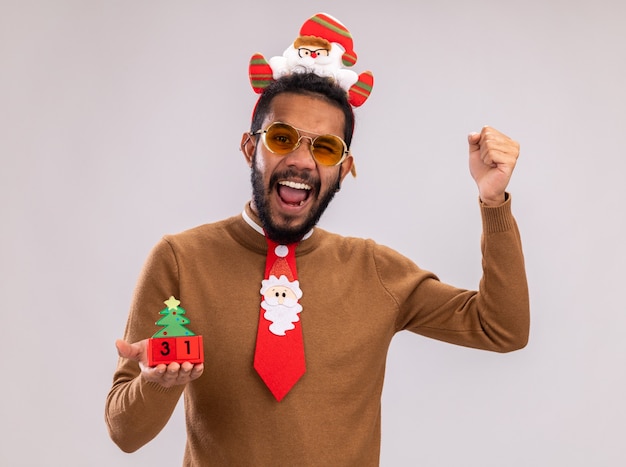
(174, 343)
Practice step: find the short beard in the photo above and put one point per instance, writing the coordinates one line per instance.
(286, 235)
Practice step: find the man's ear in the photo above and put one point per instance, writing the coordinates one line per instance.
(247, 146)
(347, 166)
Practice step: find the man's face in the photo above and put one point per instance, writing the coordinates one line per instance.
(291, 192)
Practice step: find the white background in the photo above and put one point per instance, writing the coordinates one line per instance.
(120, 121)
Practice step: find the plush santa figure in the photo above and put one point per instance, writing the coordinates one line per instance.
(324, 47)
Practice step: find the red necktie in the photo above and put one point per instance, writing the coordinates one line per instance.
(279, 354)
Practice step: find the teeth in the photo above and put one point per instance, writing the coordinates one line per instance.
(296, 185)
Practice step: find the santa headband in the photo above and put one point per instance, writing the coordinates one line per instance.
(324, 47)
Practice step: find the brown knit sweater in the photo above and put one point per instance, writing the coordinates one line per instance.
(357, 295)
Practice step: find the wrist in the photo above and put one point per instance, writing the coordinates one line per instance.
(494, 201)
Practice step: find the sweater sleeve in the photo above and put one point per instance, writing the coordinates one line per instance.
(495, 317)
(137, 410)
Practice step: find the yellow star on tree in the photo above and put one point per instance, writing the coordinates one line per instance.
(172, 303)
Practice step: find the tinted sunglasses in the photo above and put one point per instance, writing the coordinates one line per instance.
(281, 138)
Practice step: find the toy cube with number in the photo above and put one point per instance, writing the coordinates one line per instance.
(167, 350)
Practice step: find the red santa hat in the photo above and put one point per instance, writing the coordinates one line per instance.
(329, 28)
(281, 266)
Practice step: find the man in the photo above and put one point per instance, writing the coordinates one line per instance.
(355, 296)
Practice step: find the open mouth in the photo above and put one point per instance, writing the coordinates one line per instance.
(293, 193)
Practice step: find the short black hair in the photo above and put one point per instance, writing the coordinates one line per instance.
(305, 84)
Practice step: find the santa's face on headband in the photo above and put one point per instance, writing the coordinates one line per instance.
(310, 54)
(291, 192)
(315, 55)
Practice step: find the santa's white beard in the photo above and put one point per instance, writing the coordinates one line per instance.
(281, 316)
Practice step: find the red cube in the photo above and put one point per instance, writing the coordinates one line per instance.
(175, 349)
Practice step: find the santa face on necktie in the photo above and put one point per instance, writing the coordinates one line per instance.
(280, 302)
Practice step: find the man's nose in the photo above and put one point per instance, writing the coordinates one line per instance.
(302, 156)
